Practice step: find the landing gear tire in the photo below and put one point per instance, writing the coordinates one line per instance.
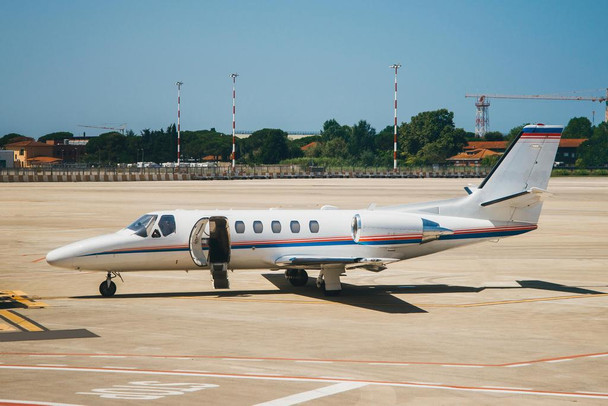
(297, 277)
(107, 289)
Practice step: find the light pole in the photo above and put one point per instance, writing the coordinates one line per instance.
(396, 67)
(179, 85)
(233, 76)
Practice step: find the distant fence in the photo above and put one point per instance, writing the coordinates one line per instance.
(120, 174)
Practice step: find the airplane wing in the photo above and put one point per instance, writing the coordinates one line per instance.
(308, 261)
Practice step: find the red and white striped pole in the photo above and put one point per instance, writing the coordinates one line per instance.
(395, 66)
(179, 85)
(233, 76)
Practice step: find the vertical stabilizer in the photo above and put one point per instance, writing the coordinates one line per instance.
(524, 169)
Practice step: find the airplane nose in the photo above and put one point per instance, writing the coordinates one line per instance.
(60, 257)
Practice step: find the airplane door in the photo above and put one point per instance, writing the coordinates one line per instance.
(199, 242)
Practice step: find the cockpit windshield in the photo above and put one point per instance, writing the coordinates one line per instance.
(142, 225)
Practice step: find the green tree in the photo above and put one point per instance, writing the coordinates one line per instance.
(594, 151)
(385, 139)
(431, 137)
(57, 136)
(362, 138)
(332, 129)
(335, 148)
(494, 136)
(266, 146)
(10, 138)
(578, 127)
(113, 147)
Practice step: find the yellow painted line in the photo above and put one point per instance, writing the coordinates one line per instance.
(6, 327)
(502, 302)
(21, 297)
(23, 323)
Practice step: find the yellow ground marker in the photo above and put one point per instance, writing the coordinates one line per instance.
(5, 328)
(20, 321)
(22, 298)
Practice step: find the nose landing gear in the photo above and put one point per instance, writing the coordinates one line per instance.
(107, 287)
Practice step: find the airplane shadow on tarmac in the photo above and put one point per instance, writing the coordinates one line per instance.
(372, 297)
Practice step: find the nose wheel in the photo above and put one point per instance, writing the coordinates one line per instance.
(107, 287)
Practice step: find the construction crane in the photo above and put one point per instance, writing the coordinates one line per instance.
(482, 118)
(121, 128)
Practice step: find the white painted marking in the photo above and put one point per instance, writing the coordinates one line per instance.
(111, 367)
(281, 378)
(559, 360)
(181, 358)
(314, 362)
(598, 356)
(196, 371)
(32, 402)
(108, 356)
(339, 377)
(462, 366)
(387, 363)
(517, 365)
(314, 394)
(592, 393)
(506, 387)
(51, 365)
(426, 383)
(242, 359)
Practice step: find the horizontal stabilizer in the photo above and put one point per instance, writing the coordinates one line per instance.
(522, 199)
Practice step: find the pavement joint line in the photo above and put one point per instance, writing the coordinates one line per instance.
(575, 394)
(346, 361)
(461, 366)
(506, 387)
(314, 361)
(190, 370)
(115, 367)
(51, 365)
(242, 359)
(385, 364)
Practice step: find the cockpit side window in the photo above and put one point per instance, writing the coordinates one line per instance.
(143, 225)
(167, 224)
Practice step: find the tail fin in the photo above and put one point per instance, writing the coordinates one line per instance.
(515, 186)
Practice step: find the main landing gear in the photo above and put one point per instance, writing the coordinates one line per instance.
(107, 287)
(328, 280)
(297, 277)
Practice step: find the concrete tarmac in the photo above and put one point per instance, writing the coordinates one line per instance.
(523, 320)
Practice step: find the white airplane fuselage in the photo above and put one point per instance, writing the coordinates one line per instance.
(508, 202)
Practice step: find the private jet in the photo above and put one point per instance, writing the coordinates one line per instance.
(506, 203)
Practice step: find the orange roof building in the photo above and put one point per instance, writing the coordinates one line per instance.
(472, 157)
(25, 151)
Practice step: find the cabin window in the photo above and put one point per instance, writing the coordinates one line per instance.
(258, 227)
(295, 226)
(167, 224)
(276, 226)
(239, 227)
(313, 225)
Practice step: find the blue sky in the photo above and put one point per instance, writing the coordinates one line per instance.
(65, 63)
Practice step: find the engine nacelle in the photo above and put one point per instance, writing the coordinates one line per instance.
(377, 228)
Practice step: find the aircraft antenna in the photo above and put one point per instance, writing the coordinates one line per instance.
(396, 67)
(179, 86)
(233, 76)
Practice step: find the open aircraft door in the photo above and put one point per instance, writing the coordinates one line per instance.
(210, 246)
(199, 242)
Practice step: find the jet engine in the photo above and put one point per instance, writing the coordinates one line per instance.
(374, 227)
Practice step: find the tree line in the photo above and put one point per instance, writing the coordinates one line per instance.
(428, 138)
